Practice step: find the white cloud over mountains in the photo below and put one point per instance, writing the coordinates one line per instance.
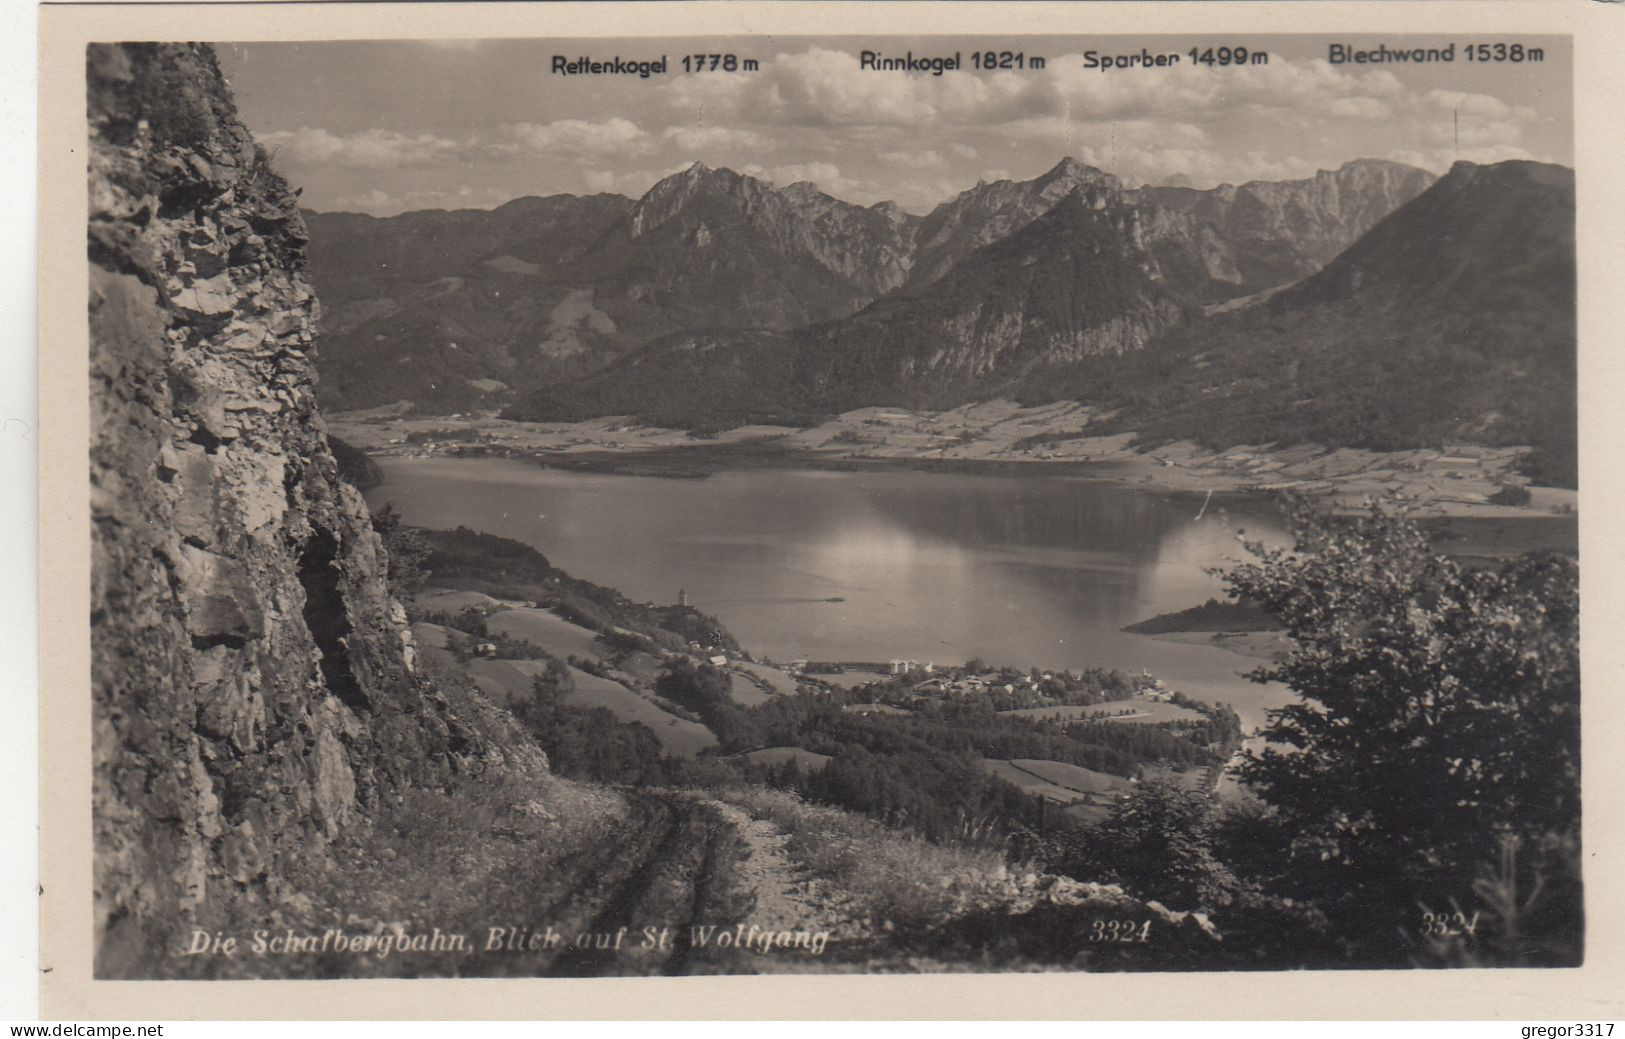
(819, 88)
(366, 149)
(608, 139)
(810, 114)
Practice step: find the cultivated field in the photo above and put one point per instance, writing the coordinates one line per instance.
(781, 683)
(431, 636)
(846, 680)
(773, 756)
(547, 630)
(1030, 783)
(456, 601)
(744, 692)
(1074, 777)
(508, 680)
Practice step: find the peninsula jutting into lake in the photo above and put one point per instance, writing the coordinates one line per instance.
(877, 526)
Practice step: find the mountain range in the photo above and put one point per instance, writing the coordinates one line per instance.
(453, 310)
(1372, 306)
(1452, 320)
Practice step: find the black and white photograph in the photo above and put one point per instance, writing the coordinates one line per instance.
(627, 506)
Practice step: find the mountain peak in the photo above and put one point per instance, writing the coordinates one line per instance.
(1073, 170)
(1510, 171)
(1069, 174)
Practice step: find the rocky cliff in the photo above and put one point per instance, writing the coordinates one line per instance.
(1275, 232)
(991, 211)
(868, 248)
(253, 682)
(1213, 245)
(1081, 281)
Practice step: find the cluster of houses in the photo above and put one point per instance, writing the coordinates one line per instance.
(971, 684)
(965, 686)
(891, 668)
(708, 654)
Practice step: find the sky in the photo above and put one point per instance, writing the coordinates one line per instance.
(388, 126)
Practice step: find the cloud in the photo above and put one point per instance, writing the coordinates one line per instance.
(826, 175)
(1482, 105)
(614, 138)
(703, 138)
(364, 149)
(823, 88)
(1057, 131)
(1068, 88)
(820, 87)
(915, 160)
(1440, 159)
(632, 183)
(379, 202)
(811, 114)
(1360, 108)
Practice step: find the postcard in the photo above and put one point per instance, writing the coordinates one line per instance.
(829, 510)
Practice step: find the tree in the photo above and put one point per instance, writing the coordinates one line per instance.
(708, 692)
(542, 712)
(1157, 844)
(1438, 725)
(406, 552)
(587, 743)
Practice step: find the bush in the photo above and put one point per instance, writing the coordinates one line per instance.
(1439, 721)
(1510, 494)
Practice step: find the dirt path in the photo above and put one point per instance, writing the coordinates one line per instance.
(786, 898)
(671, 875)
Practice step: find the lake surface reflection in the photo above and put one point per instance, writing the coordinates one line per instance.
(1024, 570)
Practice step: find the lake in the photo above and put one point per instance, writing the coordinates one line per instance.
(1024, 570)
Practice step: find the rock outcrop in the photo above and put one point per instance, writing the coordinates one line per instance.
(1275, 232)
(1213, 245)
(870, 250)
(253, 687)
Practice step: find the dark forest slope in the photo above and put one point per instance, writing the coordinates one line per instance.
(1453, 320)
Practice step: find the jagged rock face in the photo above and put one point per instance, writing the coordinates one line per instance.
(989, 212)
(1279, 231)
(1213, 245)
(1080, 281)
(253, 686)
(870, 248)
(713, 249)
(717, 239)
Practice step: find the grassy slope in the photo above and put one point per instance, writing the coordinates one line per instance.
(467, 560)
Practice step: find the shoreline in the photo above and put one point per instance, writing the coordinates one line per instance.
(997, 438)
